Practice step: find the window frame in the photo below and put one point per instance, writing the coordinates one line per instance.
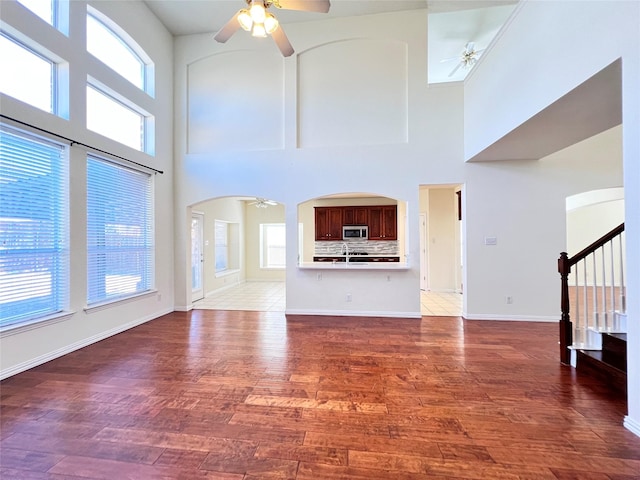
(53, 73)
(221, 246)
(120, 101)
(147, 69)
(265, 246)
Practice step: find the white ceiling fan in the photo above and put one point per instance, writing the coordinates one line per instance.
(467, 58)
(263, 203)
(257, 20)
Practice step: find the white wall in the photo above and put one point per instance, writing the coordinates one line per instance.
(527, 71)
(23, 348)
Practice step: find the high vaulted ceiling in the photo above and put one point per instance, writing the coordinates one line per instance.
(452, 23)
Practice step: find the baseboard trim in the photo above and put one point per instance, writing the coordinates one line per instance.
(352, 313)
(183, 308)
(513, 318)
(632, 425)
(34, 362)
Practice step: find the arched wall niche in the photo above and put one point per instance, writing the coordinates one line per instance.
(308, 246)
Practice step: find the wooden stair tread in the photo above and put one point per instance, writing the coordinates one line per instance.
(595, 363)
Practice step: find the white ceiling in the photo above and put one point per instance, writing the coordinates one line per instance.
(452, 23)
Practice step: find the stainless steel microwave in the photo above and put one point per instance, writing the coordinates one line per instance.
(359, 232)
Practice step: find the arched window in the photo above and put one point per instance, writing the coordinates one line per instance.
(112, 46)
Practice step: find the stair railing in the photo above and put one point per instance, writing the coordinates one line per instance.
(598, 294)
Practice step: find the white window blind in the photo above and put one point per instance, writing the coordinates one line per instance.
(119, 231)
(34, 253)
(222, 245)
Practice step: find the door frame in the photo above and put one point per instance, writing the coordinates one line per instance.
(424, 252)
(197, 293)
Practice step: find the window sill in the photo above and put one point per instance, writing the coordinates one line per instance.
(226, 273)
(96, 307)
(22, 327)
(272, 268)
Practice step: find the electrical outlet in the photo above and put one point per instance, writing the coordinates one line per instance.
(509, 300)
(388, 278)
(348, 297)
(319, 276)
(159, 297)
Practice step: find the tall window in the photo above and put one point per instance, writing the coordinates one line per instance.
(32, 77)
(222, 245)
(34, 251)
(273, 245)
(111, 47)
(119, 231)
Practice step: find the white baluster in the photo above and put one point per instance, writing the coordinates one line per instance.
(604, 291)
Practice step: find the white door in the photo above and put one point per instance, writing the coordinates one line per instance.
(197, 256)
(424, 264)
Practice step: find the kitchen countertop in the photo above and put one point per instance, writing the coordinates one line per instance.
(353, 266)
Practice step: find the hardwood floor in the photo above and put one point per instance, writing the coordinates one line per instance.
(250, 395)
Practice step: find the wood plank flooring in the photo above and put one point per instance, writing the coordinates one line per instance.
(251, 395)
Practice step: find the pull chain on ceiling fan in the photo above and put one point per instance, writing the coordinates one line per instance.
(260, 23)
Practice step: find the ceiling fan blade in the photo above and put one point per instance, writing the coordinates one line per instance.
(469, 47)
(282, 42)
(456, 69)
(229, 29)
(449, 59)
(320, 6)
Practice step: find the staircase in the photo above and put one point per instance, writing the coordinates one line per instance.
(593, 323)
(609, 364)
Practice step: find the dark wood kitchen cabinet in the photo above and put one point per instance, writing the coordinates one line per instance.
(355, 215)
(329, 223)
(383, 222)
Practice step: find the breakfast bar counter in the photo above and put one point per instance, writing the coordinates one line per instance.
(353, 266)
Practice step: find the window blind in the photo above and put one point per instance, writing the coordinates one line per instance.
(34, 252)
(120, 246)
(221, 246)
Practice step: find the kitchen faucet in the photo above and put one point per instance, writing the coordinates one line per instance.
(345, 252)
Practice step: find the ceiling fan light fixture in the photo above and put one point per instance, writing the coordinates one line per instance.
(257, 11)
(244, 19)
(258, 30)
(270, 23)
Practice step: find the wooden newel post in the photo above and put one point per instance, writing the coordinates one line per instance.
(566, 329)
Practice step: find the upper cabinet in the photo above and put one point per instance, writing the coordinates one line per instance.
(355, 215)
(381, 220)
(329, 223)
(383, 223)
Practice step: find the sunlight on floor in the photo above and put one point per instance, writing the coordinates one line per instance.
(270, 297)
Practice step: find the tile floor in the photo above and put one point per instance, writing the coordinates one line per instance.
(441, 304)
(270, 297)
(259, 296)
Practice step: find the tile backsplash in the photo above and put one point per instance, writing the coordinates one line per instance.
(375, 247)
